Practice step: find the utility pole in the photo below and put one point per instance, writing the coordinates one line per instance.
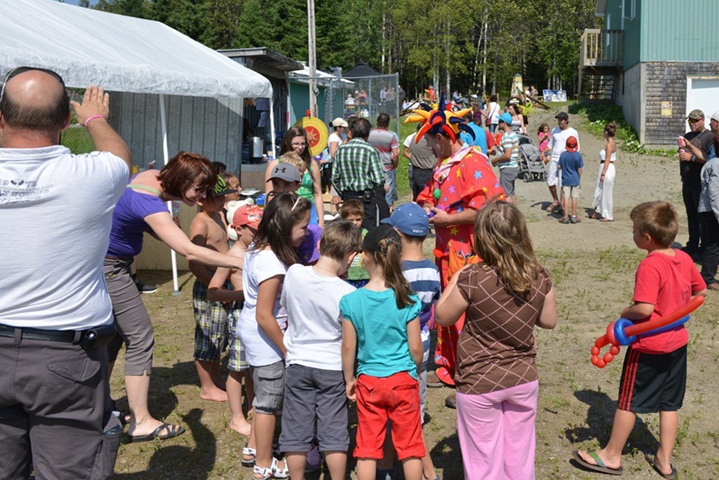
(313, 55)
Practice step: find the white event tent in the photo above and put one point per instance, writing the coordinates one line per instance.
(122, 54)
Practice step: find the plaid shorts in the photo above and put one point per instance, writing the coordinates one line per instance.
(236, 362)
(211, 334)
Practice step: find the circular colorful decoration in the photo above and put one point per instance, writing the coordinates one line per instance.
(317, 134)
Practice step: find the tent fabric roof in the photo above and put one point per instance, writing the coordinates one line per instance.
(91, 47)
(361, 70)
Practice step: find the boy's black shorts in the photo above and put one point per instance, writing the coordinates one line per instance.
(653, 383)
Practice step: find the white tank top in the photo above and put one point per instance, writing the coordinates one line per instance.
(603, 156)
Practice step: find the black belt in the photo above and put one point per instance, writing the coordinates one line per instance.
(603, 162)
(88, 339)
(359, 193)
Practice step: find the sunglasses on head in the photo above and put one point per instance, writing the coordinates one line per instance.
(17, 71)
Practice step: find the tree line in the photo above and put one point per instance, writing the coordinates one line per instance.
(451, 44)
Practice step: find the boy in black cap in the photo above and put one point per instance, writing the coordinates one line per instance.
(285, 177)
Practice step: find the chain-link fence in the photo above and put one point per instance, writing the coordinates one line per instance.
(346, 97)
(75, 136)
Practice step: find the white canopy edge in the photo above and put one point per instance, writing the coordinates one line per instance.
(91, 47)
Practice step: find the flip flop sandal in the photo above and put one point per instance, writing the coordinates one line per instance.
(172, 431)
(599, 466)
(651, 459)
(248, 452)
(553, 207)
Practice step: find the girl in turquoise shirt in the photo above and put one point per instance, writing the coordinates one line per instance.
(381, 334)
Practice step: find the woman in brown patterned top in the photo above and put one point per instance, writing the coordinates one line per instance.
(504, 297)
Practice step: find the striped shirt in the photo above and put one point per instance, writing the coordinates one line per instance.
(510, 140)
(357, 167)
(385, 142)
(423, 278)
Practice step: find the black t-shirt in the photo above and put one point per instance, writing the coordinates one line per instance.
(702, 140)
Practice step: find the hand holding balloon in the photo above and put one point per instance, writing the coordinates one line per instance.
(623, 332)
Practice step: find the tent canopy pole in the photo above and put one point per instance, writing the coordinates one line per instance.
(166, 158)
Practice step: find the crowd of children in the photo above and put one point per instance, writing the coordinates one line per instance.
(316, 318)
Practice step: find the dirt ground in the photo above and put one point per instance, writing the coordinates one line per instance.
(592, 266)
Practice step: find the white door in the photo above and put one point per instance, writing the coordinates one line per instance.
(703, 93)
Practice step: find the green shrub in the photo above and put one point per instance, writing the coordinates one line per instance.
(600, 114)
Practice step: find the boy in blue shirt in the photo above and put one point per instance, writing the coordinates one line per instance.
(570, 164)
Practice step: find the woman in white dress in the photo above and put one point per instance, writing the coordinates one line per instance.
(604, 191)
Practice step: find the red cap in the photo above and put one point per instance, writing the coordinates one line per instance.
(249, 215)
(572, 144)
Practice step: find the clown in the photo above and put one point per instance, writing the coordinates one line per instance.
(462, 182)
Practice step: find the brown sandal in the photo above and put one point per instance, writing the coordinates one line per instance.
(553, 207)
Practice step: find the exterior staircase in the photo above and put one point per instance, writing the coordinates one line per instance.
(600, 63)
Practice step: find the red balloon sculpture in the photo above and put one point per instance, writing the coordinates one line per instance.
(623, 332)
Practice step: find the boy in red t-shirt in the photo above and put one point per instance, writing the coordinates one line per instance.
(654, 372)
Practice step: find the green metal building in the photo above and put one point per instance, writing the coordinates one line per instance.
(658, 59)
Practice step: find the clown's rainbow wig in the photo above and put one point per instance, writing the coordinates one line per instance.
(442, 120)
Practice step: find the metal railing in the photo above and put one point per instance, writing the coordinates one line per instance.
(602, 48)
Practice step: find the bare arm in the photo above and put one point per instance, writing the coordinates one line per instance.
(548, 318)
(451, 305)
(506, 155)
(333, 149)
(637, 311)
(414, 341)
(406, 154)
(317, 188)
(395, 156)
(169, 233)
(349, 354)
(693, 151)
(106, 139)
(608, 149)
(216, 290)
(266, 294)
